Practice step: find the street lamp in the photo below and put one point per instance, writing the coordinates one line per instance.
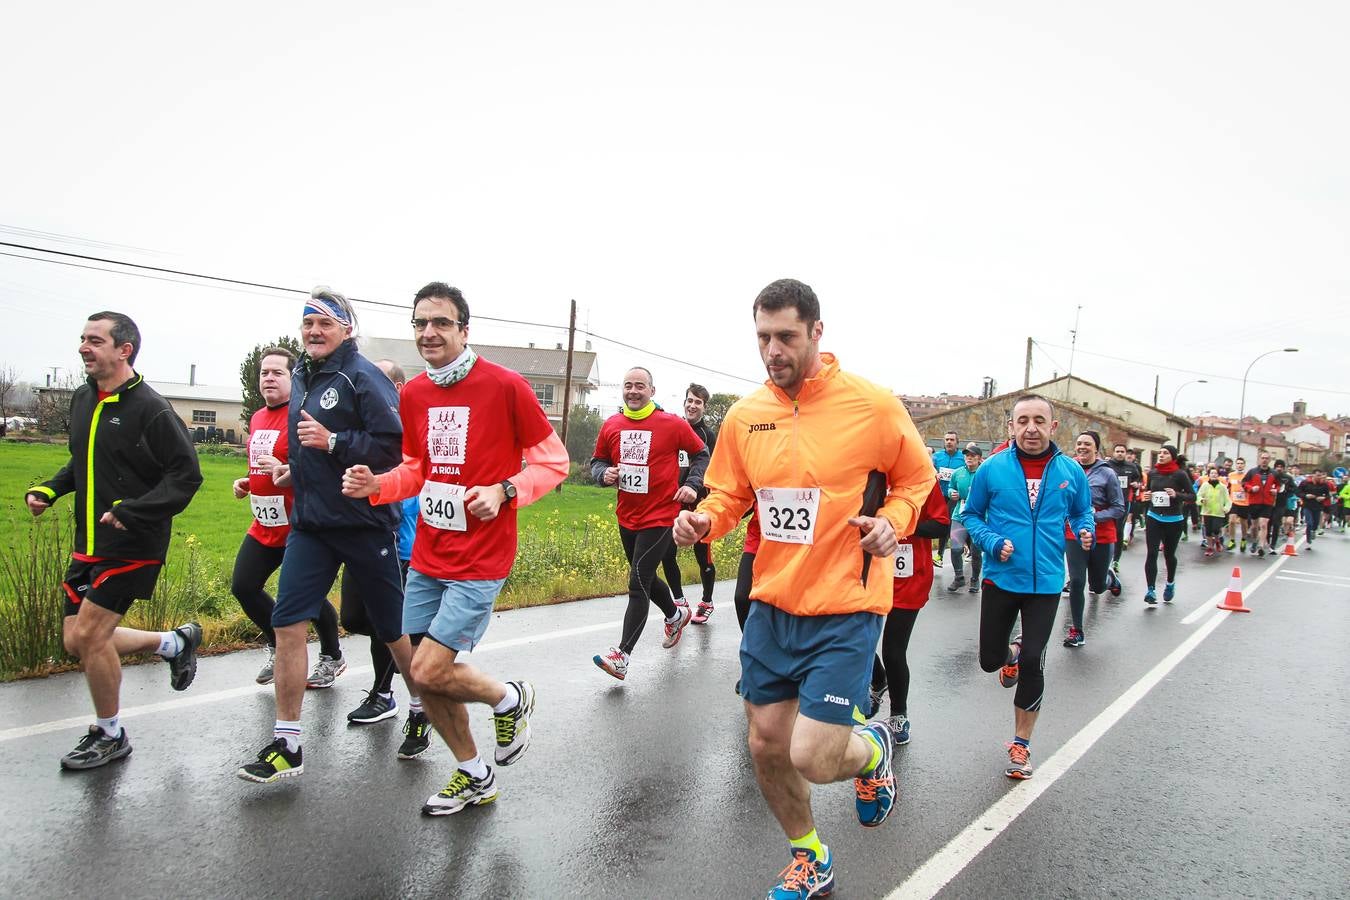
(1242, 406)
(1174, 405)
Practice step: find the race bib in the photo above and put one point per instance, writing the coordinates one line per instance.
(944, 473)
(633, 479)
(684, 460)
(442, 506)
(788, 515)
(1239, 496)
(270, 511)
(1160, 498)
(447, 435)
(904, 561)
(1124, 482)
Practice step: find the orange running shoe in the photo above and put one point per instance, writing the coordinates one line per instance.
(1019, 769)
(1007, 676)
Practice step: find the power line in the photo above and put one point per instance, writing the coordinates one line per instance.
(158, 273)
(1136, 362)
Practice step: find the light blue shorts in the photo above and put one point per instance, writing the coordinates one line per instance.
(453, 613)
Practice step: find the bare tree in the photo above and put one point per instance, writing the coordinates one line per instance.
(9, 380)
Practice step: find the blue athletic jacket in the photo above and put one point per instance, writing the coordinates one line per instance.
(352, 398)
(998, 509)
(944, 460)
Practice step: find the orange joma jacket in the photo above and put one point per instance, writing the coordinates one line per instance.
(840, 428)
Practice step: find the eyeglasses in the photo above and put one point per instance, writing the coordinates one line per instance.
(441, 323)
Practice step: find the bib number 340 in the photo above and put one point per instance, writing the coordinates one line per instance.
(788, 515)
(442, 506)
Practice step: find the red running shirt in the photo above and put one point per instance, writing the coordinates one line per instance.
(271, 516)
(913, 564)
(474, 432)
(647, 452)
(752, 535)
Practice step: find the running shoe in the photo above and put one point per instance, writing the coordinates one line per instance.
(974, 587)
(704, 613)
(1241, 549)
(183, 666)
(1066, 588)
(615, 662)
(463, 790)
(1151, 596)
(418, 731)
(375, 708)
(1116, 587)
(937, 560)
(1209, 553)
(1115, 566)
(1185, 537)
(267, 674)
(874, 696)
(956, 585)
(274, 762)
(680, 601)
(899, 726)
(96, 749)
(1261, 552)
(513, 726)
(1074, 638)
(1007, 676)
(1019, 767)
(676, 628)
(805, 877)
(1169, 591)
(326, 671)
(876, 789)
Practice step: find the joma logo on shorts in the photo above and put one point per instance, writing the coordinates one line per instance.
(842, 701)
(763, 426)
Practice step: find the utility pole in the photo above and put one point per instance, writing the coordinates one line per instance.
(567, 376)
(1026, 372)
(1156, 379)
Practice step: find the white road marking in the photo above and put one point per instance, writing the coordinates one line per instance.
(12, 734)
(961, 850)
(1317, 574)
(1312, 581)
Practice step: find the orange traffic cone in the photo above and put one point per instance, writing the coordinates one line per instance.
(1233, 601)
(1289, 549)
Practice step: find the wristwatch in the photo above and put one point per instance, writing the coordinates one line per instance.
(332, 441)
(510, 490)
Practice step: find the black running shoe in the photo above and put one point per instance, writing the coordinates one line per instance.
(96, 749)
(274, 762)
(956, 585)
(418, 731)
(374, 708)
(183, 667)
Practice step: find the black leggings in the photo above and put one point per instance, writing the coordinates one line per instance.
(357, 621)
(707, 574)
(253, 565)
(891, 668)
(645, 550)
(998, 612)
(745, 576)
(1168, 535)
(1090, 569)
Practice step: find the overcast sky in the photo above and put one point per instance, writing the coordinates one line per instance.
(950, 180)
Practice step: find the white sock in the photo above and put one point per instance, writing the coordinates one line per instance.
(414, 704)
(475, 767)
(675, 618)
(111, 727)
(509, 701)
(170, 644)
(289, 732)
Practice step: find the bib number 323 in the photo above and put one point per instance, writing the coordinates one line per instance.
(442, 506)
(788, 515)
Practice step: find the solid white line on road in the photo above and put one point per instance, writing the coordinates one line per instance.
(961, 850)
(1317, 574)
(1246, 589)
(1312, 581)
(12, 734)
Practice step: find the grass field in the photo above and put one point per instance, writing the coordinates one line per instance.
(569, 549)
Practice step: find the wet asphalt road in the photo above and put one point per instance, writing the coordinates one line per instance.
(1228, 779)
